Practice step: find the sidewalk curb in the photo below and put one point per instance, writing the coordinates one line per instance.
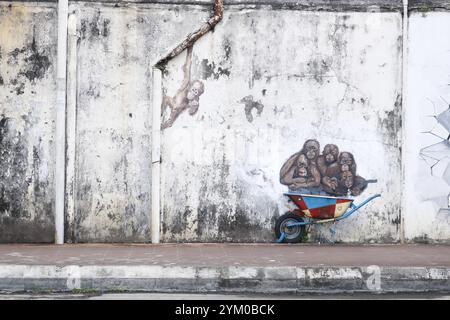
(232, 279)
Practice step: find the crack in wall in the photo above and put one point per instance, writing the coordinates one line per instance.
(431, 153)
(437, 157)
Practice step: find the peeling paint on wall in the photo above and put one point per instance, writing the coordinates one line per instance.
(95, 28)
(27, 91)
(13, 161)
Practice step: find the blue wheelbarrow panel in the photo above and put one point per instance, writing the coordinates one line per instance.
(316, 202)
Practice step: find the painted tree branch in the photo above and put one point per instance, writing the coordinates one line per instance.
(193, 37)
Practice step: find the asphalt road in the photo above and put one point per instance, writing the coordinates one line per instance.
(178, 296)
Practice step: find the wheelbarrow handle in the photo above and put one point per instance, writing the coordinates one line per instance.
(356, 207)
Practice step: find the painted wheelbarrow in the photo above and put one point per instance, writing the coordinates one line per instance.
(313, 209)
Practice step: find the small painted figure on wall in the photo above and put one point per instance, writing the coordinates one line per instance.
(250, 104)
(330, 173)
(187, 97)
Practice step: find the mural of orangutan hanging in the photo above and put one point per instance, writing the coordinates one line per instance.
(330, 173)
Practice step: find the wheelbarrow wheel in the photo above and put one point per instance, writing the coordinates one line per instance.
(292, 234)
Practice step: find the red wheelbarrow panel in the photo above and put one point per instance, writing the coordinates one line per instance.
(298, 200)
(321, 207)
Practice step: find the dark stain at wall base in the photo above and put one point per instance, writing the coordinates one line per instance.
(179, 224)
(422, 239)
(13, 164)
(206, 217)
(238, 226)
(216, 217)
(17, 201)
(219, 223)
(25, 231)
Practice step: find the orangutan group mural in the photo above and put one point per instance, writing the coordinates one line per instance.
(330, 173)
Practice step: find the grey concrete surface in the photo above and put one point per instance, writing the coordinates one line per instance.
(224, 268)
(218, 255)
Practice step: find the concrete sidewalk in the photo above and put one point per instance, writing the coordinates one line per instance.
(237, 268)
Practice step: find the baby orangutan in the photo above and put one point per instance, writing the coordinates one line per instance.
(187, 97)
(302, 175)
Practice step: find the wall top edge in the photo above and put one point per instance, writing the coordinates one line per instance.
(308, 5)
(428, 5)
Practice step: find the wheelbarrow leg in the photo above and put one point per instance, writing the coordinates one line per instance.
(333, 232)
(282, 237)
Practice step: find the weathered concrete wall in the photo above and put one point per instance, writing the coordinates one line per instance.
(272, 75)
(116, 49)
(27, 111)
(329, 76)
(427, 128)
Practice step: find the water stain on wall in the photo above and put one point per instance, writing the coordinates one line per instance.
(24, 212)
(13, 164)
(31, 63)
(319, 69)
(2, 82)
(249, 105)
(95, 28)
(390, 123)
(209, 70)
(227, 49)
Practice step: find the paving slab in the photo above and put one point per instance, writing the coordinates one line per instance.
(215, 268)
(216, 255)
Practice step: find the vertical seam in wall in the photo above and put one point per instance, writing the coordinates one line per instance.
(71, 125)
(155, 217)
(76, 156)
(60, 129)
(403, 111)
